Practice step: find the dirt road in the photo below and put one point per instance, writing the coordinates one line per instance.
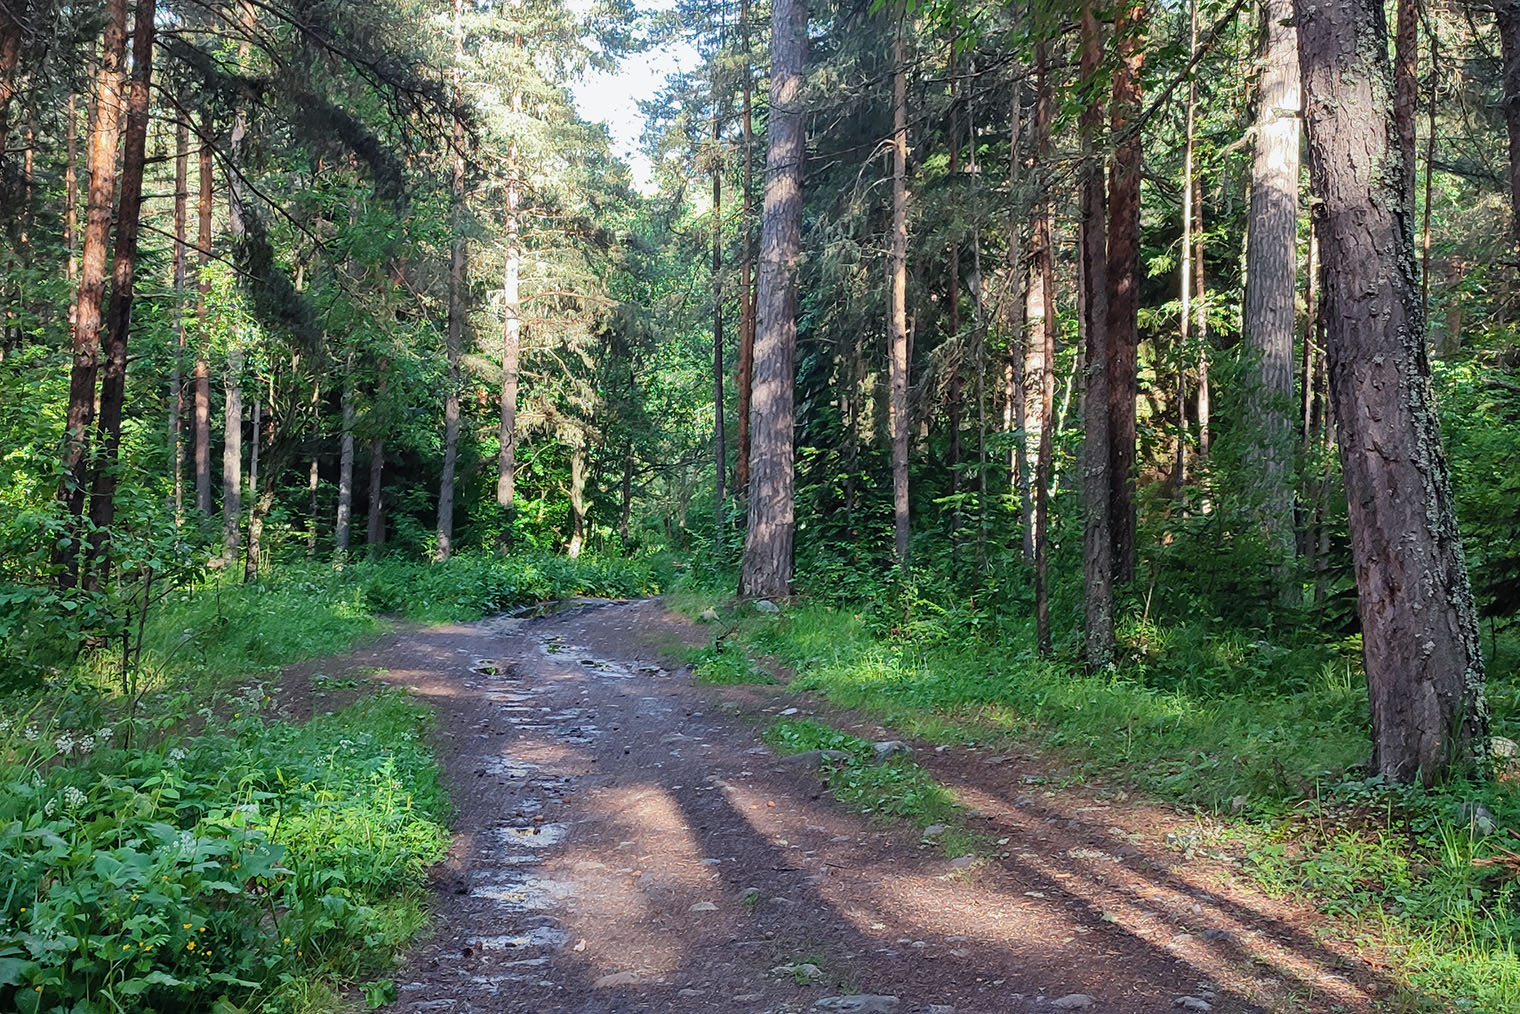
(625, 842)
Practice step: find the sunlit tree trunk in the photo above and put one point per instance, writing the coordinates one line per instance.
(577, 497)
(767, 565)
(181, 312)
(1045, 269)
(897, 319)
(202, 422)
(312, 477)
(1419, 631)
(747, 268)
(104, 135)
(511, 347)
(71, 205)
(1269, 320)
(1185, 294)
(113, 384)
(1123, 280)
(455, 335)
(1097, 540)
(720, 452)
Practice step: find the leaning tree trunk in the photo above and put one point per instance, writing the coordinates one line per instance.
(104, 134)
(1123, 285)
(767, 565)
(1419, 633)
(1508, 14)
(897, 321)
(1097, 540)
(113, 385)
(1271, 269)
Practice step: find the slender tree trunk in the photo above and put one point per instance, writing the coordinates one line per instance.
(747, 270)
(627, 512)
(455, 337)
(1311, 334)
(1507, 13)
(767, 565)
(71, 206)
(374, 531)
(1023, 329)
(953, 306)
(577, 497)
(232, 460)
(1430, 173)
(182, 310)
(1123, 279)
(1419, 631)
(312, 477)
(1201, 327)
(202, 434)
(113, 385)
(255, 514)
(1406, 61)
(511, 341)
(343, 527)
(1185, 314)
(1044, 266)
(1271, 264)
(897, 320)
(720, 452)
(1097, 539)
(104, 135)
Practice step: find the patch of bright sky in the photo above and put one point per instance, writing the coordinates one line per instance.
(613, 97)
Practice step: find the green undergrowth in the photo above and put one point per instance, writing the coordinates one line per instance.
(894, 789)
(252, 865)
(1269, 736)
(725, 663)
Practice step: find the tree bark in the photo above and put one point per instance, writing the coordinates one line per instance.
(1185, 295)
(747, 269)
(577, 497)
(343, 527)
(113, 385)
(1045, 457)
(232, 460)
(1419, 632)
(1507, 13)
(1406, 60)
(71, 206)
(897, 319)
(374, 530)
(1123, 281)
(767, 564)
(182, 310)
(511, 341)
(720, 452)
(454, 340)
(13, 18)
(1269, 317)
(257, 508)
(202, 435)
(104, 135)
(1097, 539)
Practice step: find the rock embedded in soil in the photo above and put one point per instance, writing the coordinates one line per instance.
(862, 1003)
(1192, 1003)
(890, 748)
(766, 606)
(1073, 1001)
(616, 979)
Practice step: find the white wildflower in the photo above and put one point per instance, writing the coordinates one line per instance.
(64, 743)
(49, 808)
(73, 798)
(32, 733)
(176, 755)
(104, 733)
(86, 745)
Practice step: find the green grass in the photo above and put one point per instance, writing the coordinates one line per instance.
(1269, 736)
(726, 664)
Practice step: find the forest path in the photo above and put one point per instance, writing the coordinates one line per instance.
(625, 842)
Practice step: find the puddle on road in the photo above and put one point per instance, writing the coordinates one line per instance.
(537, 936)
(533, 836)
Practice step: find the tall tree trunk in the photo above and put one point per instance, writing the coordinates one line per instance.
(1123, 281)
(255, 514)
(13, 18)
(374, 529)
(1507, 12)
(343, 527)
(767, 565)
(511, 341)
(747, 270)
(627, 512)
(1023, 328)
(897, 318)
(1201, 325)
(1271, 266)
(1419, 631)
(1185, 295)
(455, 337)
(113, 385)
(720, 452)
(1430, 169)
(1406, 61)
(1044, 266)
(71, 206)
(104, 135)
(181, 311)
(202, 434)
(953, 306)
(232, 459)
(312, 477)
(1097, 539)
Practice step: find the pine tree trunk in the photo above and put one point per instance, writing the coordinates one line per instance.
(511, 348)
(13, 18)
(182, 310)
(627, 512)
(374, 531)
(1406, 60)
(767, 564)
(1022, 331)
(1045, 267)
(255, 513)
(897, 320)
(720, 452)
(1185, 295)
(113, 384)
(104, 135)
(1097, 539)
(953, 307)
(1123, 280)
(232, 460)
(1419, 632)
(577, 498)
(202, 435)
(312, 477)
(1201, 327)
(1269, 319)
(71, 206)
(1507, 12)
(747, 270)
(455, 336)
(343, 527)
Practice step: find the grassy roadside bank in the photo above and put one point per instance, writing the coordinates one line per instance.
(167, 844)
(1425, 876)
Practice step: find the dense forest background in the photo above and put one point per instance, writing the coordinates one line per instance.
(1038, 342)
